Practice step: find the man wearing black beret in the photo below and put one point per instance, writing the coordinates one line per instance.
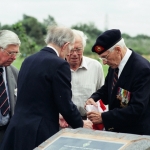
(126, 88)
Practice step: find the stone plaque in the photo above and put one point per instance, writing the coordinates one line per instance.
(86, 139)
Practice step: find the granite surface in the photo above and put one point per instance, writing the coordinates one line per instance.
(131, 141)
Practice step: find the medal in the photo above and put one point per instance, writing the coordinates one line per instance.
(123, 96)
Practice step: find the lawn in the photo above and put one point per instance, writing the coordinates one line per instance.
(17, 63)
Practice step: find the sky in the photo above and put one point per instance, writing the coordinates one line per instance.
(130, 16)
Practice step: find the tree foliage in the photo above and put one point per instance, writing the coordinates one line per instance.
(91, 32)
(32, 33)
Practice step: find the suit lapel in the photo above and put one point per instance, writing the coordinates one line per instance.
(126, 71)
(121, 81)
(11, 86)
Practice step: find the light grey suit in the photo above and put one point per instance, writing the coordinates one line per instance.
(11, 77)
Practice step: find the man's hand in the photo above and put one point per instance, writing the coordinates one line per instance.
(87, 124)
(62, 122)
(95, 117)
(91, 101)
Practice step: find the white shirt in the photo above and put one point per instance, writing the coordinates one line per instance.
(87, 79)
(124, 61)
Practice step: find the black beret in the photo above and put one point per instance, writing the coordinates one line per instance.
(106, 40)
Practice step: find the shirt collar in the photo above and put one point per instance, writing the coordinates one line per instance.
(124, 60)
(53, 49)
(3, 68)
(84, 63)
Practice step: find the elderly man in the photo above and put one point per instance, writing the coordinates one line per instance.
(126, 88)
(44, 91)
(87, 74)
(9, 50)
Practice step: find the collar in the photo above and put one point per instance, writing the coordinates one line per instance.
(3, 68)
(53, 49)
(84, 63)
(124, 61)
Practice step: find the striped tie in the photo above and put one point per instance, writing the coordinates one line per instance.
(4, 105)
(115, 78)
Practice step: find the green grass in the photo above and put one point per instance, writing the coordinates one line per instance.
(105, 69)
(17, 63)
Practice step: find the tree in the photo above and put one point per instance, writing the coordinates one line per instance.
(49, 21)
(34, 29)
(89, 29)
(32, 33)
(28, 46)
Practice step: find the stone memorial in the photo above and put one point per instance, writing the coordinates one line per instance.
(86, 139)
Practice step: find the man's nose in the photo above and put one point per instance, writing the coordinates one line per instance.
(104, 62)
(13, 57)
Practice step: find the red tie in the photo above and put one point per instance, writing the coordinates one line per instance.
(4, 105)
(115, 78)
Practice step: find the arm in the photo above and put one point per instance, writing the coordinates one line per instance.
(62, 95)
(137, 106)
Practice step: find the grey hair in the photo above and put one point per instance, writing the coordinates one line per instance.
(59, 35)
(7, 38)
(82, 35)
(121, 43)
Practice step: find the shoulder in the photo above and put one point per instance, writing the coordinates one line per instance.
(139, 61)
(92, 62)
(13, 69)
(137, 66)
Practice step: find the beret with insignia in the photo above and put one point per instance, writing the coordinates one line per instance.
(106, 40)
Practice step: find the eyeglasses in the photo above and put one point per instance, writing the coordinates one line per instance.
(77, 50)
(12, 54)
(105, 58)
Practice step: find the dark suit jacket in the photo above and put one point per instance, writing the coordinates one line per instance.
(44, 90)
(134, 118)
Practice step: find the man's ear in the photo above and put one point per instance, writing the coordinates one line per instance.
(65, 45)
(118, 49)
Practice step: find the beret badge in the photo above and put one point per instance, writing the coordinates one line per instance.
(99, 49)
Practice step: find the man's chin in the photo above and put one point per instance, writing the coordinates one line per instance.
(8, 64)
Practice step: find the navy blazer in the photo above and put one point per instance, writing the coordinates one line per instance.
(44, 91)
(135, 117)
